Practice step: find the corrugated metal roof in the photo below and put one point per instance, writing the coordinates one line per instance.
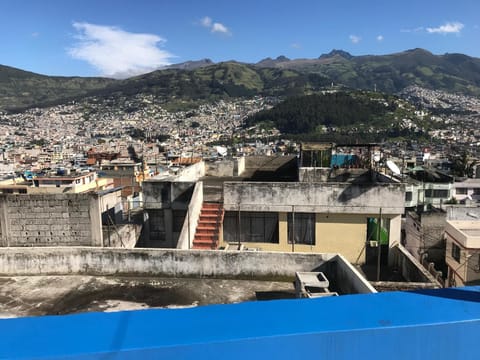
(423, 324)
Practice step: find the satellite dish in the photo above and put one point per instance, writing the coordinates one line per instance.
(376, 157)
(393, 167)
(221, 150)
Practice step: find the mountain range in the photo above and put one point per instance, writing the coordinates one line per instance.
(206, 81)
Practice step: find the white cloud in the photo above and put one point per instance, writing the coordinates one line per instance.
(206, 22)
(380, 38)
(296, 45)
(220, 28)
(447, 28)
(355, 39)
(118, 53)
(412, 30)
(214, 27)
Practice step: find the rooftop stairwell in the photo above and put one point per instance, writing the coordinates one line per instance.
(209, 225)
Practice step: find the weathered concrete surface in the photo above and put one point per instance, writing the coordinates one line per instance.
(161, 262)
(314, 197)
(52, 295)
(225, 167)
(185, 239)
(410, 269)
(121, 235)
(344, 277)
(50, 220)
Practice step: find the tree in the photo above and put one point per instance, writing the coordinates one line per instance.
(461, 167)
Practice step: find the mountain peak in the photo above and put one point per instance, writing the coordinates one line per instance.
(335, 52)
(272, 62)
(282, 58)
(191, 64)
(418, 51)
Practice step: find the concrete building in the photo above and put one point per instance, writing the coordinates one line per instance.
(467, 191)
(168, 203)
(299, 215)
(126, 174)
(424, 236)
(463, 252)
(58, 182)
(312, 217)
(426, 188)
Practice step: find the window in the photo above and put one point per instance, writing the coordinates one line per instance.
(301, 228)
(456, 252)
(436, 193)
(441, 194)
(461, 191)
(408, 196)
(259, 227)
(476, 191)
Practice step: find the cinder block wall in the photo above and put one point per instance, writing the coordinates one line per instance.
(50, 220)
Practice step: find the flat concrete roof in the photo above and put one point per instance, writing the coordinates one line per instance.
(57, 295)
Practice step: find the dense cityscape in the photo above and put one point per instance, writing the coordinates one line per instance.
(239, 180)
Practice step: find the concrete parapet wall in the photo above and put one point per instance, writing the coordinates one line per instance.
(240, 168)
(346, 278)
(225, 167)
(313, 174)
(122, 236)
(314, 197)
(222, 167)
(153, 262)
(410, 268)
(192, 172)
(185, 240)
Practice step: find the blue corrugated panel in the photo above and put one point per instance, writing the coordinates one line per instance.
(431, 324)
(341, 160)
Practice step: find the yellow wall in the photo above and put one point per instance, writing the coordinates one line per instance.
(334, 233)
(342, 233)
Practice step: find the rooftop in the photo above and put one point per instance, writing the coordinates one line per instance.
(332, 327)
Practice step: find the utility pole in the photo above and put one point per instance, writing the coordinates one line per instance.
(293, 228)
(379, 247)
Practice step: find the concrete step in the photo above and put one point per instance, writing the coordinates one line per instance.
(207, 205)
(203, 248)
(210, 212)
(208, 220)
(206, 227)
(205, 234)
(203, 241)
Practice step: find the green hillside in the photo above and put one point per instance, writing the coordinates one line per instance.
(279, 77)
(230, 79)
(392, 73)
(338, 114)
(23, 89)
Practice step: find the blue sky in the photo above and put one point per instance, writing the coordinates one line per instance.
(126, 37)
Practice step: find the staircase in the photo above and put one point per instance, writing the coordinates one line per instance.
(208, 228)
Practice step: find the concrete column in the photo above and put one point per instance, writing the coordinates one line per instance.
(283, 231)
(394, 235)
(96, 221)
(3, 221)
(168, 221)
